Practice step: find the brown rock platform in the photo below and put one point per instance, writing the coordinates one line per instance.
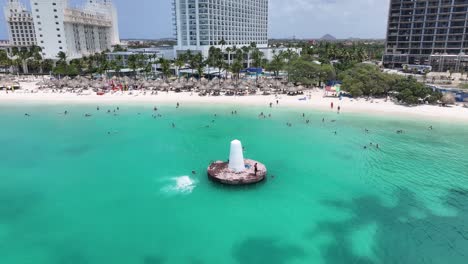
(219, 172)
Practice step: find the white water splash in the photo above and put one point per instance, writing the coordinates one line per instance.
(180, 185)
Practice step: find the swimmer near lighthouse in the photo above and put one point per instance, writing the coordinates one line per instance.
(237, 171)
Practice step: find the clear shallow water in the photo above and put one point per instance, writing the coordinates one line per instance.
(72, 193)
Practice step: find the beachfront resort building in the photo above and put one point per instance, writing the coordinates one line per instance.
(20, 25)
(200, 24)
(77, 32)
(430, 32)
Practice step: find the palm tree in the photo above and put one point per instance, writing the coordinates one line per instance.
(229, 50)
(47, 65)
(222, 43)
(258, 61)
(118, 64)
(246, 51)
(179, 63)
(237, 65)
(5, 61)
(133, 63)
(62, 56)
(21, 58)
(200, 67)
(288, 56)
(165, 67)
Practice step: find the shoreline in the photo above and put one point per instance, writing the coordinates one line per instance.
(376, 107)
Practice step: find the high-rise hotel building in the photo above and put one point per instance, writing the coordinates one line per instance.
(20, 24)
(76, 31)
(200, 24)
(56, 27)
(428, 32)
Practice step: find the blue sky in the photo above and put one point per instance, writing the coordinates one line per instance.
(288, 18)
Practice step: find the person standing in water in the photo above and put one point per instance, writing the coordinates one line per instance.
(256, 168)
(331, 105)
(339, 109)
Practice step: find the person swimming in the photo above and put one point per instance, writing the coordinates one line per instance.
(177, 106)
(97, 108)
(66, 112)
(173, 125)
(26, 114)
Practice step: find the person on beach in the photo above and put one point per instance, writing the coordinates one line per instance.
(277, 102)
(271, 105)
(339, 109)
(331, 105)
(256, 168)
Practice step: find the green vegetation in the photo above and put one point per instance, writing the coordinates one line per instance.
(367, 80)
(316, 65)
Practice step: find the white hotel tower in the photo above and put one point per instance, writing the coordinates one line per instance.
(20, 25)
(200, 24)
(77, 32)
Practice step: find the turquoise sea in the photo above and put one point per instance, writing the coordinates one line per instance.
(119, 189)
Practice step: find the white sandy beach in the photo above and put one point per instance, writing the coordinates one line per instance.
(315, 101)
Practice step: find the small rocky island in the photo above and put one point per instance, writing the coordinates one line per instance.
(237, 171)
